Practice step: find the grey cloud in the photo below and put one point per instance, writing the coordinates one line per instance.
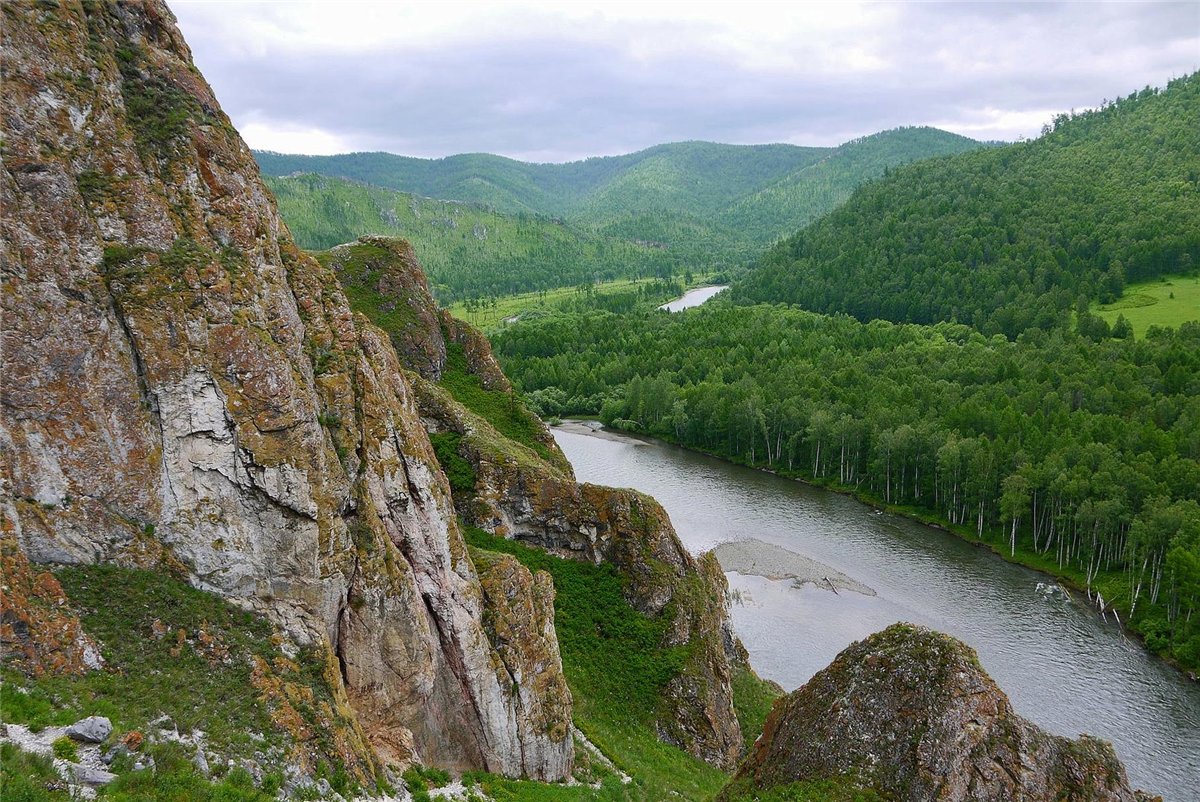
(564, 98)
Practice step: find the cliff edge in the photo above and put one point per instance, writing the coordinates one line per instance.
(184, 389)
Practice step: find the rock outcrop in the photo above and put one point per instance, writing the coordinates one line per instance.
(184, 387)
(912, 714)
(527, 491)
(39, 633)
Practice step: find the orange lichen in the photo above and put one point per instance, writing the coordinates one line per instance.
(39, 633)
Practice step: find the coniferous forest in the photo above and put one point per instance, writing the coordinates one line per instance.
(1010, 238)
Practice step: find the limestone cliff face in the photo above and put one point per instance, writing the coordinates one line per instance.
(528, 491)
(183, 385)
(518, 494)
(911, 713)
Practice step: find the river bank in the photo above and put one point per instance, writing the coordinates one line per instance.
(1108, 585)
(1059, 663)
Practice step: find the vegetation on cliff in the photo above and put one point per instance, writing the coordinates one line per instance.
(190, 673)
(618, 669)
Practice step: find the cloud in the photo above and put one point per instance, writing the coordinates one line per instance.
(553, 82)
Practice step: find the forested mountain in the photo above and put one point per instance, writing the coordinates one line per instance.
(1009, 238)
(1082, 455)
(800, 197)
(712, 205)
(687, 177)
(468, 251)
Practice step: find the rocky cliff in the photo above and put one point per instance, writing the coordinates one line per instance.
(183, 386)
(527, 491)
(911, 714)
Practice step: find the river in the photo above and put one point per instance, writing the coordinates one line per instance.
(692, 298)
(1062, 667)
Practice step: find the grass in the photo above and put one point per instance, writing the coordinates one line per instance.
(1166, 302)
(616, 670)
(621, 293)
(171, 650)
(834, 790)
(753, 698)
(26, 777)
(503, 410)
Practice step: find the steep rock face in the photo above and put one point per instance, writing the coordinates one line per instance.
(911, 713)
(533, 496)
(518, 495)
(388, 269)
(182, 385)
(519, 621)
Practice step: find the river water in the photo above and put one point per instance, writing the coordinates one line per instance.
(1062, 667)
(691, 298)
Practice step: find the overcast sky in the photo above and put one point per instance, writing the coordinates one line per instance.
(556, 81)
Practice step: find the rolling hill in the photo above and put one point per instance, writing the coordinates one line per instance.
(1012, 237)
(695, 206)
(468, 250)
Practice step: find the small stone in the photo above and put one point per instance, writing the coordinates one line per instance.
(323, 787)
(93, 729)
(93, 777)
(201, 762)
(143, 763)
(119, 750)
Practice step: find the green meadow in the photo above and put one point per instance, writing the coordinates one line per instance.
(1166, 302)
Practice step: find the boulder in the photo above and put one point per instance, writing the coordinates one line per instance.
(93, 729)
(912, 714)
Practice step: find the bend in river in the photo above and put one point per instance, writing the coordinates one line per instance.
(1061, 666)
(692, 298)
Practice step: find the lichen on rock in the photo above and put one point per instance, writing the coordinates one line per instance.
(184, 389)
(910, 713)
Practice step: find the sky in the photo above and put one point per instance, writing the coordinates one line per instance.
(559, 81)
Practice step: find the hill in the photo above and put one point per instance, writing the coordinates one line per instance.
(711, 205)
(1011, 237)
(468, 250)
(692, 176)
(804, 195)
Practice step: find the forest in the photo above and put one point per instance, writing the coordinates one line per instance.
(1008, 238)
(485, 226)
(1076, 455)
(469, 252)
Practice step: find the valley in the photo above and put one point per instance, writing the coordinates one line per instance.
(1064, 667)
(880, 480)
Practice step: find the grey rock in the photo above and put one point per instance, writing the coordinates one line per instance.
(144, 763)
(93, 729)
(201, 762)
(93, 777)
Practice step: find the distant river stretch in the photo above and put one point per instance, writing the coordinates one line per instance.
(1061, 666)
(691, 298)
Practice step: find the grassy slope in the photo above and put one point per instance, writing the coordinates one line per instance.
(615, 669)
(467, 250)
(198, 673)
(1164, 302)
